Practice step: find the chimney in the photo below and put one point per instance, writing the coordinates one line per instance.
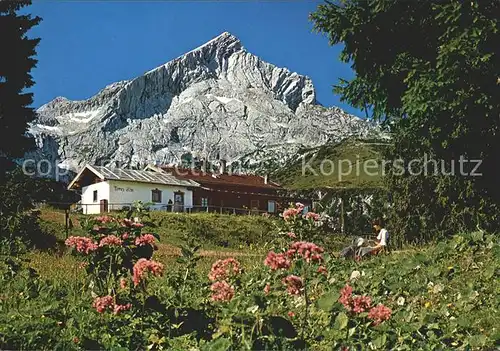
(222, 165)
(266, 178)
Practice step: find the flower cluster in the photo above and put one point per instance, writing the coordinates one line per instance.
(110, 240)
(222, 269)
(312, 215)
(81, 244)
(143, 266)
(277, 261)
(322, 270)
(290, 213)
(308, 251)
(379, 314)
(359, 304)
(131, 224)
(146, 239)
(101, 304)
(104, 219)
(291, 235)
(222, 291)
(294, 284)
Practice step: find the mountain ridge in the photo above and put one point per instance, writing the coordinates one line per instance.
(216, 101)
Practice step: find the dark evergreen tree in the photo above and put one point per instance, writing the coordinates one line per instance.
(16, 62)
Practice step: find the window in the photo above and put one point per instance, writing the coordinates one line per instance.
(95, 196)
(156, 195)
(271, 206)
(254, 204)
(204, 201)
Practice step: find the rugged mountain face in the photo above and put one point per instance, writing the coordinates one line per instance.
(217, 101)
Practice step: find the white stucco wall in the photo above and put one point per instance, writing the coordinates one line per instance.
(120, 194)
(88, 204)
(125, 193)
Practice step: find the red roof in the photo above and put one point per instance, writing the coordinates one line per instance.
(201, 177)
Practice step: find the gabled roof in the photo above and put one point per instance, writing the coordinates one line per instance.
(129, 175)
(209, 178)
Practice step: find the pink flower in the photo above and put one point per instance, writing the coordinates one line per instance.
(222, 291)
(289, 213)
(143, 266)
(123, 283)
(146, 239)
(110, 240)
(379, 314)
(294, 284)
(125, 236)
(104, 219)
(300, 206)
(361, 303)
(103, 303)
(291, 314)
(131, 224)
(291, 235)
(222, 269)
(277, 261)
(118, 308)
(346, 297)
(322, 270)
(267, 289)
(312, 215)
(81, 244)
(308, 251)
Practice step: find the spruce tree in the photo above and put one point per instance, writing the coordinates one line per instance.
(16, 62)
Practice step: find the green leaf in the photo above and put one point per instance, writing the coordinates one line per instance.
(380, 341)
(220, 344)
(327, 301)
(341, 321)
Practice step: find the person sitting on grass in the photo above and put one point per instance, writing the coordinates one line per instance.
(382, 236)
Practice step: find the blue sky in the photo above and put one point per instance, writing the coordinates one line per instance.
(89, 44)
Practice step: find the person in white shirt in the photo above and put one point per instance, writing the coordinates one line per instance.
(382, 237)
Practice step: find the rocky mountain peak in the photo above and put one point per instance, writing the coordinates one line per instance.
(217, 100)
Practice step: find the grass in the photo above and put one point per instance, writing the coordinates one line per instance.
(342, 156)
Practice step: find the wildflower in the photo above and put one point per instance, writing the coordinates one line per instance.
(309, 251)
(355, 275)
(146, 239)
(361, 303)
(118, 308)
(312, 215)
(428, 304)
(143, 266)
(322, 270)
(102, 303)
(123, 283)
(400, 301)
(291, 235)
(81, 244)
(379, 314)
(104, 219)
(110, 240)
(346, 297)
(131, 224)
(222, 291)
(291, 314)
(267, 289)
(290, 213)
(294, 284)
(300, 206)
(221, 269)
(277, 261)
(125, 236)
